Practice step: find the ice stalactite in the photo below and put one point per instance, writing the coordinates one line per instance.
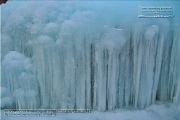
(73, 58)
(117, 71)
(174, 68)
(145, 51)
(6, 98)
(6, 41)
(169, 80)
(43, 47)
(18, 78)
(107, 59)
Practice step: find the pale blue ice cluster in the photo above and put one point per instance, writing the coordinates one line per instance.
(87, 55)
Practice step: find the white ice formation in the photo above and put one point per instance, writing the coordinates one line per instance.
(72, 55)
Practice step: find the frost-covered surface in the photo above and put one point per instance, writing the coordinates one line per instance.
(154, 112)
(87, 55)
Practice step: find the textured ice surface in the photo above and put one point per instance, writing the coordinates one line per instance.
(79, 55)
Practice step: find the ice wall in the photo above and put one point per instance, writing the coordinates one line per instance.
(77, 55)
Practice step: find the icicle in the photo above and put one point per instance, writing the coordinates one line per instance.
(70, 57)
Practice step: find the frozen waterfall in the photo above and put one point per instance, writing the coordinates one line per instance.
(73, 56)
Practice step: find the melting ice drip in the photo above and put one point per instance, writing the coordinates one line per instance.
(76, 68)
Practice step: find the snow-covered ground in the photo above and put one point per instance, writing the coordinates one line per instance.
(153, 112)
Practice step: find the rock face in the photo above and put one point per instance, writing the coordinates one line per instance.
(3, 1)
